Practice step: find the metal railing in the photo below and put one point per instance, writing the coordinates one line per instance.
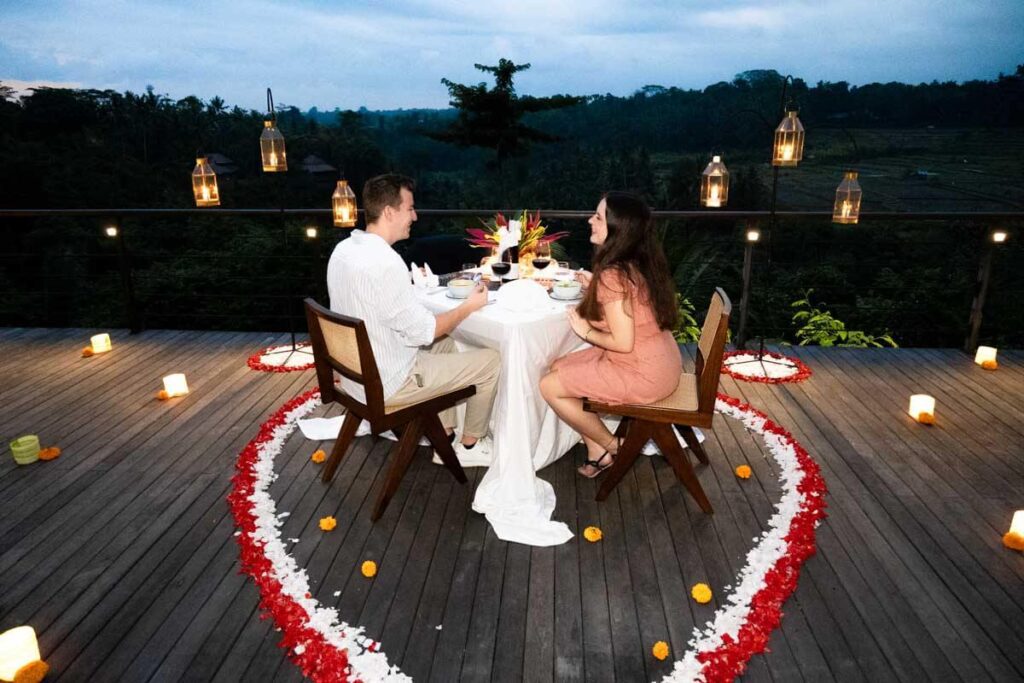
(747, 220)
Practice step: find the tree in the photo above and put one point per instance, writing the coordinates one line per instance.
(491, 118)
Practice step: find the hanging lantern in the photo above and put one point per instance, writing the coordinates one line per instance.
(110, 231)
(714, 184)
(789, 141)
(272, 142)
(272, 149)
(311, 232)
(19, 656)
(999, 236)
(343, 203)
(847, 207)
(204, 184)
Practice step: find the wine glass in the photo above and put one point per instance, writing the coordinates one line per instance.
(542, 255)
(501, 268)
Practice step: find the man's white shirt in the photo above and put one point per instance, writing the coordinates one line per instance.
(367, 279)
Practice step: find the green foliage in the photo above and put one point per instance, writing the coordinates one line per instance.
(686, 330)
(818, 327)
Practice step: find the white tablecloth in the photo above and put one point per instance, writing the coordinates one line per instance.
(527, 434)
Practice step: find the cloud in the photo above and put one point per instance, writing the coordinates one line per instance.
(22, 88)
(394, 54)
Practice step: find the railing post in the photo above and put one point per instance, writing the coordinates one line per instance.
(748, 264)
(981, 289)
(127, 286)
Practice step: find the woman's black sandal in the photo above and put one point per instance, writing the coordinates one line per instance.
(596, 464)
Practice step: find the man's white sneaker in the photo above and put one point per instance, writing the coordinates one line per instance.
(480, 455)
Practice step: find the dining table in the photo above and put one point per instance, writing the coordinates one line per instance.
(526, 433)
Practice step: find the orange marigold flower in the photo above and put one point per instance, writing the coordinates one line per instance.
(86, 352)
(701, 592)
(33, 672)
(369, 569)
(49, 453)
(660, 650)
(990, 364)
(926, 419)
(163, 395)
(1012, 540)
(318, 456)
(743, 471)
(328, 523)
(592, 534)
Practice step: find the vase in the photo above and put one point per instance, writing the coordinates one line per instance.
(25, 449)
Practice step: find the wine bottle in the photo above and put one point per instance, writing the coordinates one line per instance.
(511, 255)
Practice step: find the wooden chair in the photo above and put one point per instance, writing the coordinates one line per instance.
(691, 405)
(341, 344)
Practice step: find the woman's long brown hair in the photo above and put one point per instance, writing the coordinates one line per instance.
(632, 247)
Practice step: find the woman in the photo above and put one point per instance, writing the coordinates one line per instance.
(627, 316)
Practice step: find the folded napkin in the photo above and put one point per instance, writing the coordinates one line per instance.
(523, 296)
(327, 428)
(425, 278)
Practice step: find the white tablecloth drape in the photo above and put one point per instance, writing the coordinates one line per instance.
(526, 432)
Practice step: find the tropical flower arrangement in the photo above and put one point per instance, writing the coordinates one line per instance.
(531, 233)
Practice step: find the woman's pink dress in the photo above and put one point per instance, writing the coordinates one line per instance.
(646, 374)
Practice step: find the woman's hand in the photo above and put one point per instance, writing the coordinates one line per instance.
(584, 277)
(578, 324)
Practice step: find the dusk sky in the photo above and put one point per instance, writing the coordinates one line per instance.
(386, 55)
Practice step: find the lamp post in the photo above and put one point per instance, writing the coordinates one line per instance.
(981, 287)
(788, 151)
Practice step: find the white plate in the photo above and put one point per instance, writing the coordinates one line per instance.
(562, 298)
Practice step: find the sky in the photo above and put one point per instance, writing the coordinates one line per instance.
(390, 55)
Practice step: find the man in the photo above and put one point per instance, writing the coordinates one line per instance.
(367, 279)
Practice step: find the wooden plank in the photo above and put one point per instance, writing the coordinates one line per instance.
(569, 590)
(429, 619)
(478, 641)
(598, 657)
(626, 643)
(450, 650)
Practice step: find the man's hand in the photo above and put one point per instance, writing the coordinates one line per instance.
(477, 298)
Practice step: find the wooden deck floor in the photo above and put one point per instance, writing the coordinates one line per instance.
(121, 554)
